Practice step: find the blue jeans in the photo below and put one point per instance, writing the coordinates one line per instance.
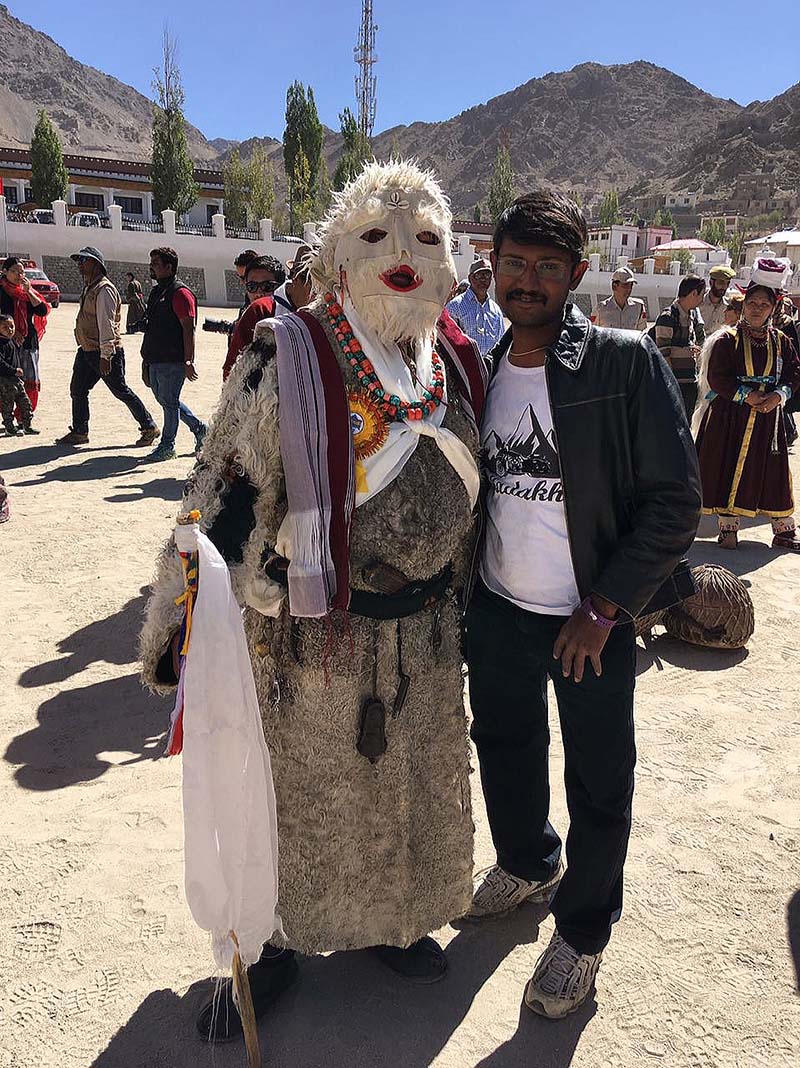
(166, 382)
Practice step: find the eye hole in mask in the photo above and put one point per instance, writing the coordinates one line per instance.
(373, 236)
(428, 237)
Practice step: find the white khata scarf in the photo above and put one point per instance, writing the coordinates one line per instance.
(375, 471)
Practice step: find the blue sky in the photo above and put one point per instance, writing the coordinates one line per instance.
(436, 58)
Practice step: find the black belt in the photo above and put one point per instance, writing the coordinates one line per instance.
(413, 598)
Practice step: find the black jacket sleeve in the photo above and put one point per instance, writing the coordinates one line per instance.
(667, 496)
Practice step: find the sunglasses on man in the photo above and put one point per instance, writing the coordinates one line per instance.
(261, 287)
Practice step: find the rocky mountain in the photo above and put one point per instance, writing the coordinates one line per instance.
(95, 113)
(761, 137)
(586, 129)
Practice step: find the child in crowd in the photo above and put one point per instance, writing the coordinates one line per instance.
(12, 389)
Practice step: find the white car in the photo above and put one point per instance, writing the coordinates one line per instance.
(84, 218)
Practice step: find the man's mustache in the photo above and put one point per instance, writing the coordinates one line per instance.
(516, 293)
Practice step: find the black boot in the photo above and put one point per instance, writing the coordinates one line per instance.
(422, 962)
(26, 428)
(269, 977)
(11, 429)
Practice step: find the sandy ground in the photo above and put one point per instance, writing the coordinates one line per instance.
(101, 962)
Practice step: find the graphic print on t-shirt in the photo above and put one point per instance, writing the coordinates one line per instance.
(526, 451)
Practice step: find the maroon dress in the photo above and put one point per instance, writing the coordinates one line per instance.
(743, 465)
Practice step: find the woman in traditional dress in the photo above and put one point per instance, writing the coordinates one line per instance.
(753, 369)
(136, 303)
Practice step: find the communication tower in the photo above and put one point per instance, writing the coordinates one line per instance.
(366, 82)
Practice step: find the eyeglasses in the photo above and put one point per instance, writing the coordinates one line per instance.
(545, 270)
(266, 287)
(82, 259)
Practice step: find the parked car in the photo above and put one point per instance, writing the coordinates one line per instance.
(84, 218)
(41, 215)
(46, 289)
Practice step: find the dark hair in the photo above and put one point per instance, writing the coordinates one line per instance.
(692, 283)
(543, 218)
(267, 263)
(129, 274)
(6, 318)
(773, 296)
(166, 255)
(12, 261)
(245, 257)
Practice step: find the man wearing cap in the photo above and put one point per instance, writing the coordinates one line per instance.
(100, 354)
(475, 311)
(621, 310)
(296, 290)
(713, 307)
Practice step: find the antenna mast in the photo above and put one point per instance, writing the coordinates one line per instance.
(366, 82)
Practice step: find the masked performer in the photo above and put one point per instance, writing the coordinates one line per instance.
(752, 370)
(338, 481)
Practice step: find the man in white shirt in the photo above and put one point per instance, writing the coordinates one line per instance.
(713, 307)
(621, 310)
(592, 498)
(475, 311)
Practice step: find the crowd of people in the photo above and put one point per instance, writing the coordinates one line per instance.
(414, 466)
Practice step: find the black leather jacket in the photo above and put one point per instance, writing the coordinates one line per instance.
(628, 464)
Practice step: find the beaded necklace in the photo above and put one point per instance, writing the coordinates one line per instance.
(391, 406)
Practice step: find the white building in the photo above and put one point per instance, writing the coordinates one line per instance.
(611, 242)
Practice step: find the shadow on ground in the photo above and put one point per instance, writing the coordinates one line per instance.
(112, 640)
(347, 1011)
(793, 932)
(45, 454)
(168, 489)
(76, 726)
(88, 470)
(665, 649)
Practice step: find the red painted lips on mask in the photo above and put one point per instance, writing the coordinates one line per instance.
(401, 279)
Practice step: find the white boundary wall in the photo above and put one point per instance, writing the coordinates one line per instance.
(214, 255)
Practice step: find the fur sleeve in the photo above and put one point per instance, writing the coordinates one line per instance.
(242, 441)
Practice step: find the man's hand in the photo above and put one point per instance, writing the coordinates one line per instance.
(191, 373)
(580, 638)
(755, 398)
(105, 365)
(20, 373)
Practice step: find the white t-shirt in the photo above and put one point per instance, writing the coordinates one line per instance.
(526, 555)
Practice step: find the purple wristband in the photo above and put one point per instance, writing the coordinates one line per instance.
(594, 615)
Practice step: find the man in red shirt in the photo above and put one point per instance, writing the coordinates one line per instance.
(168, 349)
(262, 277)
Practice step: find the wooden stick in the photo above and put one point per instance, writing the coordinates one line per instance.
(243, 999)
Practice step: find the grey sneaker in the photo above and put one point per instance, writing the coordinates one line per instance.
(498, 891)
(562, 979)
(198, 439)
(159, 454)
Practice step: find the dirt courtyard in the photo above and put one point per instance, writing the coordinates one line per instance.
(102, 964)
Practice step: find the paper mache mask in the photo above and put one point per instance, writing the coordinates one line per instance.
(388, 238)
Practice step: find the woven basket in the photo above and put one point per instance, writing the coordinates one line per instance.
(719, 616)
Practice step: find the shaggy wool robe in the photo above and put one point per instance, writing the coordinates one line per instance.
(368, 853)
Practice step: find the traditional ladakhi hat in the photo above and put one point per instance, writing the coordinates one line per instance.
(774, 274)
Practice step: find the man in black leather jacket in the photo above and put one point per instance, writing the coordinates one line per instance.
(592, 498)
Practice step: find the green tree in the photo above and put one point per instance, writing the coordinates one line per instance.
(734, 243)
(664, 217)
(322, 190)
(303, 206)
(713, 231)
(261, 181)
(236, 178)
(501, 188)
(356, 150)
(302, 145)
(685, 257)
(172, 170)
(476, 214)
(49, 178)
(609, 213)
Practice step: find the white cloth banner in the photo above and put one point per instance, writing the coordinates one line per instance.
(230, 824)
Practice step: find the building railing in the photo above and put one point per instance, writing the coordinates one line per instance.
(143, 226)
(197, 230)
(246, 233)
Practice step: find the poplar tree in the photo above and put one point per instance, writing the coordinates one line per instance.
(302, 147)
(262, 186)
(49, 178)
(237, 191)
(501, 189)
(609, 213)
(356, 150)
(172, 170)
